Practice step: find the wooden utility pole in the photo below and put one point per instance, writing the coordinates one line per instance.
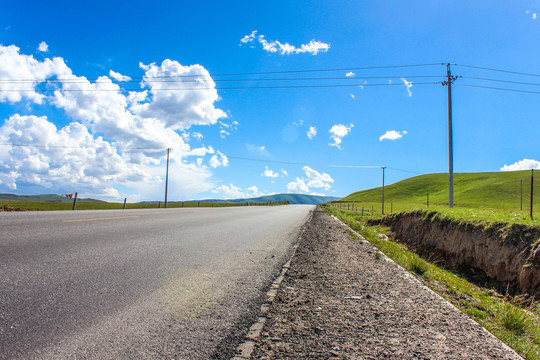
(167, 177)
(449, 80)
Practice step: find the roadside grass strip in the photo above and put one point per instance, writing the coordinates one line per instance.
(508, 318)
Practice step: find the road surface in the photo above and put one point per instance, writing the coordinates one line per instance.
(137, 284)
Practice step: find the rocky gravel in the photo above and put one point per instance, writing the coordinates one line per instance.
(343, 299)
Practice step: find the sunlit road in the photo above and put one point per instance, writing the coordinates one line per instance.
(137, 284)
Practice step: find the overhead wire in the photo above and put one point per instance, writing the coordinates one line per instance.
(498, 70)
(259, 73)
(224, 88)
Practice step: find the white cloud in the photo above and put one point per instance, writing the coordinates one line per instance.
(259, 149)
(284, 172)
(525, 164)
(313, 179)
(235, 192)
(313, 47)
(219, 160)
(43, 47)
(392, 135)
(224, 133)
(297, 186)
(339, 131)
(69, 158)
(312, 132)
(15, 66)
(117, 138)
(408, 85)
(317, 179)
(298, 122)
(269, 173)
(118, 76)
(179, 110)
(352, 95)
(534, 16)
(226, 128)
(349, 74)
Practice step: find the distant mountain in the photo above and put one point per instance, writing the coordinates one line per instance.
(42, 198)
(291, 198)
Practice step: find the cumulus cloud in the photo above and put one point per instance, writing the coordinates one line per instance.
(269, 173)
(349, 74)
(297, 186)
(15, 66)
(392, 135)
(234, 192)
(118, 76)
(312, 132)
(219, 159)
(117, 137)
(408, 85)
(313, 179)
(43, 47)
(525, 164)
(313, 47)
(338, 132)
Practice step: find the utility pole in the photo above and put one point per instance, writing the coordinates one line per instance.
(382, 208)
(167, 177)
(449, 80)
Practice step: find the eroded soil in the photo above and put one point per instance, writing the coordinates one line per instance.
(342, 299)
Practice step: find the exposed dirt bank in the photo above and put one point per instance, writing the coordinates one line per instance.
(507, 257)
(343, 299)
(9, 208)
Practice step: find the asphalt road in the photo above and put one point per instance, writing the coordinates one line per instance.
(137, 284)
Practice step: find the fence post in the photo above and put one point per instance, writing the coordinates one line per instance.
(159, 205)
(428, 198)
(520, 194)
(75, 201)
(124, 208)
(532, 182)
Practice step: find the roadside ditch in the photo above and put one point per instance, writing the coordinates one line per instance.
(500, 256)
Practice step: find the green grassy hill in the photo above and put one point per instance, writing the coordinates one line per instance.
(497, 190)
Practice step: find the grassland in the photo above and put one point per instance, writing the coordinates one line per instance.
(490, 197)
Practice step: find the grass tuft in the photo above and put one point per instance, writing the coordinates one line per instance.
(513, 318)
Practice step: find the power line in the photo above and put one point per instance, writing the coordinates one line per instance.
(263, 73)
(222, 88)
(499, 80)
(498, 70)
(349, 78)
(498, 88)
(302, 164)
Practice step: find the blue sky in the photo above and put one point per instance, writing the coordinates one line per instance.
(116, 96)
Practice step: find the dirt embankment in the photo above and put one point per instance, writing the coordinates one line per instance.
(501, 256)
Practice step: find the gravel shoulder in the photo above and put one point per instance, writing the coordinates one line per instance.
(343, 299)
